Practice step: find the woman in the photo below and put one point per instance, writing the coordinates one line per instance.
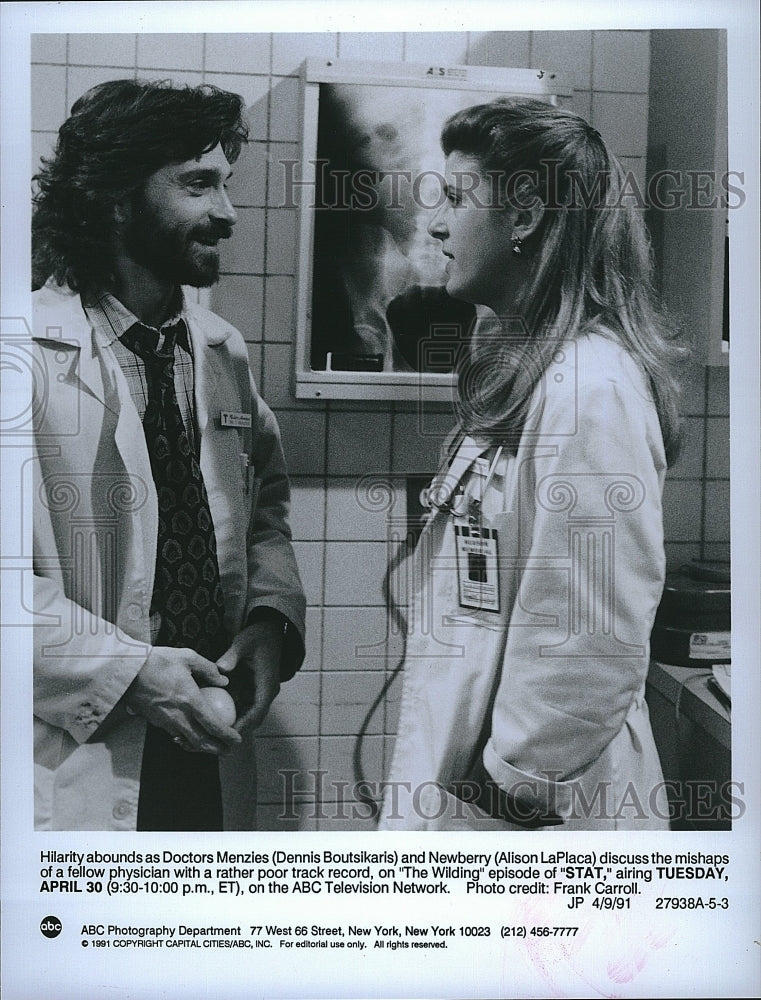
(537, 578)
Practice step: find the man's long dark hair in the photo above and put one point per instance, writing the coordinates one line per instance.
(118, 134)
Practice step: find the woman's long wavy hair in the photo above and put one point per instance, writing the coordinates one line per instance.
(118, 134)
(588, 263)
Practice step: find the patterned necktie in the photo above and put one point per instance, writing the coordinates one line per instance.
(187, 593)
(178, 790)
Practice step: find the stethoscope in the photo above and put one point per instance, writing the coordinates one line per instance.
(446, 494)
(439, 496)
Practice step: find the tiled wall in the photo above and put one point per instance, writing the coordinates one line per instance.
(340, 526)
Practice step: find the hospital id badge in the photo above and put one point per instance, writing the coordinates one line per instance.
(477, 562)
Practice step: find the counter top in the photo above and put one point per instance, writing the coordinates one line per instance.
(687, 689)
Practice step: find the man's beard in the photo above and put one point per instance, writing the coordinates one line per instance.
(174, 254)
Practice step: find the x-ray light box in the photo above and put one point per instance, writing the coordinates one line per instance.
(373, 318)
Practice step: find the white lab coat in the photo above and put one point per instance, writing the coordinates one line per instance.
(543, 699)
(95, 529)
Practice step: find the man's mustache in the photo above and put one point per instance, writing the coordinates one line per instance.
(220, 231)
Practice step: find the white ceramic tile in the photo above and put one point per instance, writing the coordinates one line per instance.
(717, 523)
(255, 362)
(581, 103)
(307, 509)
(48, 48)
(718, 392)
(309, 557)
(359, 443)
(297, 818)
(347, 700)
(371, 46)
(636, 186)
(693, 382)
(242, 52)
(363, 406)
(355, 638)
(170, 51)
(621, 119)
(717, 551)
(680, 553)
(417, 441)
(436, 48)
(359, 508)
(103, 50)
(348, 816)
(337, 758)
(388, 751)
(499, 48)
(277, 375)
(284, 173)
(354, 573)
(275, 755)
(280, 309)
(567, 53)
(48, 97)
(281, 241)
(303, 435)
(290, 49)
(395, 641)
(81, 78)
(393, 701)
(397, 505)
(255, 93)
(296, 710)
(313, 651)
(689, 465)
(243, 253)
(247, 188)
(621, 61)
(239, 299)
(682, 506)
(285, 113)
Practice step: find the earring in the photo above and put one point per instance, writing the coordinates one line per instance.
(517, 243)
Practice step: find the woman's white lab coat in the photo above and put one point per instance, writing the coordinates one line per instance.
(541, 702)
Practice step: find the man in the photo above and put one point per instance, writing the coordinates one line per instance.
(163, 562)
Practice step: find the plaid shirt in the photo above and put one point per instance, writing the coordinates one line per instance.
(111, 320)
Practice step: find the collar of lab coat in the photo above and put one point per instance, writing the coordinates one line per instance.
(61, 325)
(72, 331)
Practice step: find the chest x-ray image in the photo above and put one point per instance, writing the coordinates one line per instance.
(378, 280)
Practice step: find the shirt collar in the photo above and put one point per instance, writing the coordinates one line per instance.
(111, 318)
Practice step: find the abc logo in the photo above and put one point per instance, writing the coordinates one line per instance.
(51, 927)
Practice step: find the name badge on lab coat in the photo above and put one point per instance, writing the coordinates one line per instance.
(232, 419)
(477, 567)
